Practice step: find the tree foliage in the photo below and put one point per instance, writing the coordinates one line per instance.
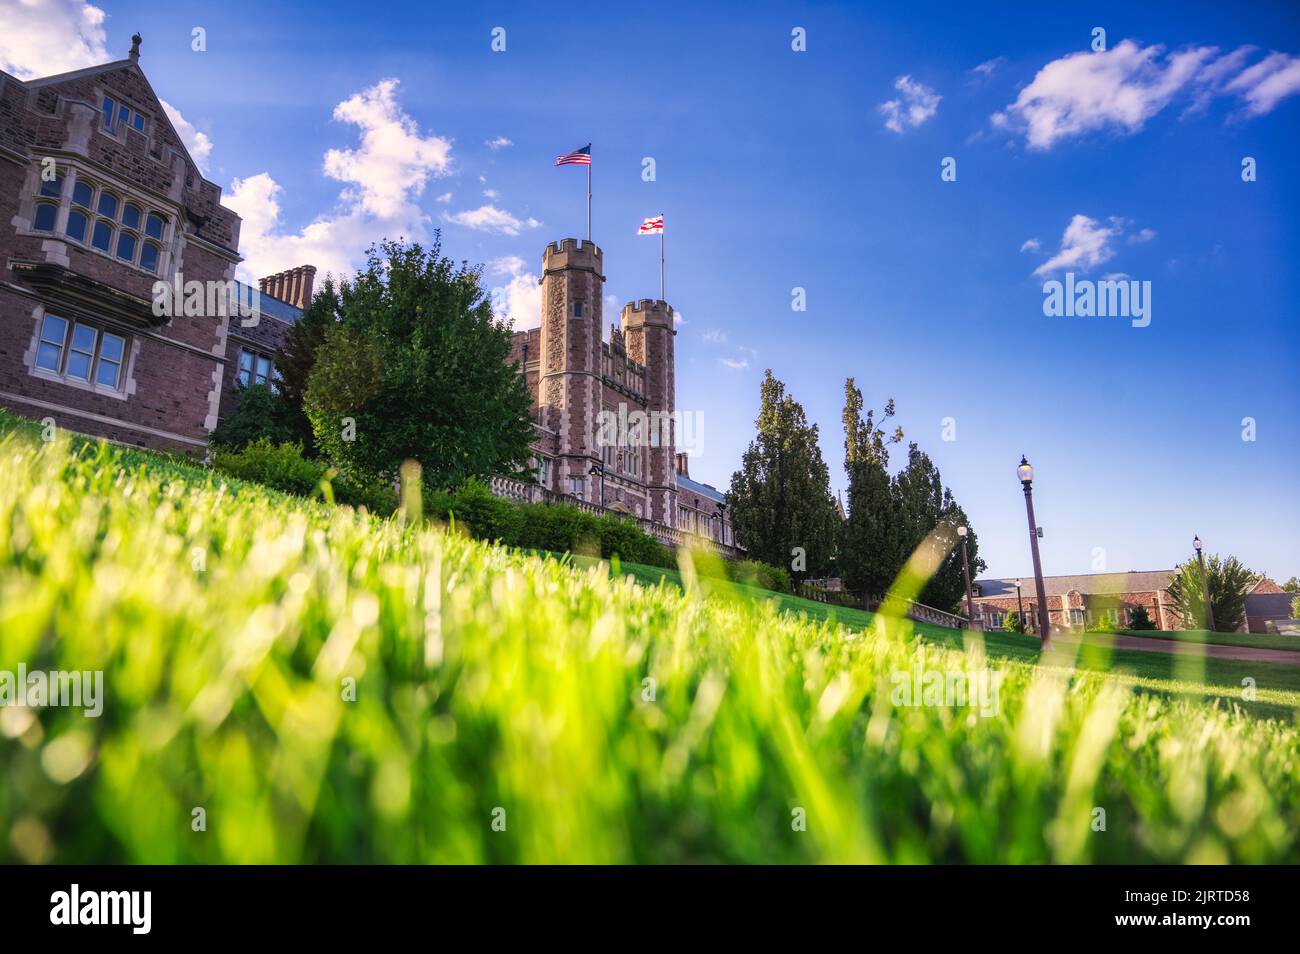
(928, 516)
(421, 368)
(871, 548)
(1229, 582)
(262, 413)
(1140, 619)
(780, 499)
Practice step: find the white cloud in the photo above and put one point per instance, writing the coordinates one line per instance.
(1123, 87)
(1084, 244)
(489, 218)
(713, 336)
(500, 142)
(506, 265)
(735, 364)
(394, 161)
(1142, 236)
(492, 194)
(1268, 81)
(383, 178)
(444, 198)
(915, 105)
(1031, 245)
(986, 69)
(198, 143)
(47, 37)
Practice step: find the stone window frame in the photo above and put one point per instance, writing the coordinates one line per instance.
(71, 175)
(272, 377)
(113, 128)
(542, 470)
(126, 372)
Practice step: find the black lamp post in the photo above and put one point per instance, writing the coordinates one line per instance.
(1020, 606)
(1205, 582)
(1026, 474)
(965, 569)
(722, 522)
(597, 469)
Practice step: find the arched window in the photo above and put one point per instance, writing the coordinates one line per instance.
(46, 214)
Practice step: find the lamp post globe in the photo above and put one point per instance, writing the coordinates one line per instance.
(1025, 474)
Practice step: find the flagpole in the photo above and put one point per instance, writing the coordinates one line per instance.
(589, 195)
(661, 259)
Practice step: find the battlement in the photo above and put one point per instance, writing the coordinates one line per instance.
(573, 253)
(648, 311)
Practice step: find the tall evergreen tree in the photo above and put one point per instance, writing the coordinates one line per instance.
(871, 547)
(1229, 582)
(780, 500)
(924, 505)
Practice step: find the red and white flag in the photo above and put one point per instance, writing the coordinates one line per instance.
(652, 226)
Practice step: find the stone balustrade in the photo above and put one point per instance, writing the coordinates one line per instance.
(511, 488)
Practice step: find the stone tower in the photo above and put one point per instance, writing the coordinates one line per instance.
(648, 330)
(570, 360)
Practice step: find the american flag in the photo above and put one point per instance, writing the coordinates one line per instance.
(652, 226)
(579, 157)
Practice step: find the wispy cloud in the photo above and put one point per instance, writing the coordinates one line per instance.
(1031, 245)
(500, 142)
(1087, 243)
(490, 218)
(915, 104)
(735, 364)
(383, 177)
(1125, 86)
(986, 69)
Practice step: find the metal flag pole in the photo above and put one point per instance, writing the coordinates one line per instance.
(662, 297)
(588, 192)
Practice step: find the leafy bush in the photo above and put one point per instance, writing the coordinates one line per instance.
(262, 413)
(282, 467)
(1014, 622)
(554, 528)
(1140, 619)
(762, 575)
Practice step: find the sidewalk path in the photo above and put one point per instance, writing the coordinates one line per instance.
(1286, 657)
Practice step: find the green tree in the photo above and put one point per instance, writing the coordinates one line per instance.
(1014, 622)
(1229, 582)
(297, 353)
(871, 546)
(922, 506)
(780, 499)
(262, 413)
(421, 369)
(1140, 619)
(1292, 585)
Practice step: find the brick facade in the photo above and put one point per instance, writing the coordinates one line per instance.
(601, 404)
(99, 200)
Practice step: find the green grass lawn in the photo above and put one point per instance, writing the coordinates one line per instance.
(1276, 686)
(327, 686)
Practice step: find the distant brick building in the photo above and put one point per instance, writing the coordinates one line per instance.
(1086, 599)
(99, 200)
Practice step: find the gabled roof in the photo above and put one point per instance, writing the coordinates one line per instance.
(1088, 584)
(130, 63)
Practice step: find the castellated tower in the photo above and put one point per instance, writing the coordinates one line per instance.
(570, 360)
(648, 331)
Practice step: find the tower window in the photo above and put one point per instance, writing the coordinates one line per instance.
(577, 309)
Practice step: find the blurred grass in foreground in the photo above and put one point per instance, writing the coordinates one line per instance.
(611, 721)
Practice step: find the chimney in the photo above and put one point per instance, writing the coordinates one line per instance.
(683, 465)
(134, 55)
(293, 286)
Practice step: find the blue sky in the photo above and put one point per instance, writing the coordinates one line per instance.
(778, 169)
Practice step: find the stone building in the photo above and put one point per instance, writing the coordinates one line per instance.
(605, 410)
(99, 201)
